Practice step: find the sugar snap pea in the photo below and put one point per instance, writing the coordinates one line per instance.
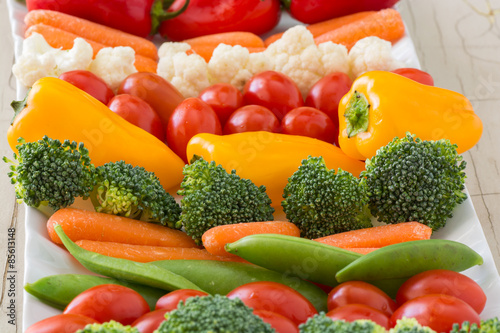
(217, 277)
(294, 256)
(60, 289)
(406, 259)
(123, 269)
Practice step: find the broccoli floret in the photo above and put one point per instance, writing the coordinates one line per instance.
(486, 326)
(321, 323)
(414, 180)
(213, 314)
(49, 175)
(108, 327)
(212, 197)
(125, 190)
(323, 202)
(410, 325)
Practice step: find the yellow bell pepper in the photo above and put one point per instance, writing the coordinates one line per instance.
(382, 105)
(266, 158)
(61, 111)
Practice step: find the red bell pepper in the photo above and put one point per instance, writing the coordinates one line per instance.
(205, 17)
(313, 11)
(138, 17)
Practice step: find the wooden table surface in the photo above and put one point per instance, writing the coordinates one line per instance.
(457, 41)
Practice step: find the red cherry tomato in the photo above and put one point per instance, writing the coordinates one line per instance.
(171, 300)
(273, 90)
(275, 297)
(359, 292)
(224, 98)
(251, 118)
(416, 75)
(311, 122)
(62, 323)
(189, 118)
(351, 312)
(280, 323)
(136, 111)
(442, 281)
(150, 321)
(326, 94)
(109, 302)
(436, 311)
(90, 83)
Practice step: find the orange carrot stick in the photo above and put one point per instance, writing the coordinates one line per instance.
(379, 236)
(322, 27)
(91, 31)
(216, 238)
(386, 24)
(146, 253)
(58, 38)
(81, 224)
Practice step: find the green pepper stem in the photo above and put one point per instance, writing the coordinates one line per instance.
(159, 13)
(356, 114)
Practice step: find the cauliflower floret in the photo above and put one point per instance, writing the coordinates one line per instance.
(372, 53)
(39, 59)
(114, 64)
(188, 73)
(296, 55)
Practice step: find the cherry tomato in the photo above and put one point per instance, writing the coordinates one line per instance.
(251, 118)
(326, 94)
(189, 118)
(311, 122)
(90, 83)
(169, 301)
(273, 90)
(155, 90)
(442, 281)
(109, 302)
(275, 297)
(224, 98)
(280, 323)
(150, 321)
(351, 312)
(436, 311)
(62, 323)
(359, 292)
(416, 75)
(136, 111)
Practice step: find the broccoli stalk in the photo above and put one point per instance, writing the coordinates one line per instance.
(108, 327)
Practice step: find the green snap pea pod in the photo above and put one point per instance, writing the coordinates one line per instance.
(123, 269)
(294, 256)
(406, 259)
(59, 290)
(218, 277)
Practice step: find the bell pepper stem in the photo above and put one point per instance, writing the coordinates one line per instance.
(159, 13)
(356, 114)
(19, 106)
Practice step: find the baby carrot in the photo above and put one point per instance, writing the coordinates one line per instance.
(64, 40)
(92, 31)
(378, 236)
(386, 24)
(82, 224)
(147, 253)
(216, 238)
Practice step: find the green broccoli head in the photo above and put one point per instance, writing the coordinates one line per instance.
(410, 325)
(212, 197)
(414, 180)
(51, 174)
(323, 202)
(108, 327)
(491, 325)
(322, 323)
(125, 190)
(213, 314)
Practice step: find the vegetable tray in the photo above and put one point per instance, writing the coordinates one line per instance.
(43, 258)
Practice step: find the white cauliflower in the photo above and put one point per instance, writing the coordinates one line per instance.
(38, 59)
(188, 73)
(113, 65)
(372, 53)
(296, 55)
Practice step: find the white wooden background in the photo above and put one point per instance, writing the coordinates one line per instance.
(457, 41)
